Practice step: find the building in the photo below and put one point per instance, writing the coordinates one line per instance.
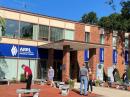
(40, 41)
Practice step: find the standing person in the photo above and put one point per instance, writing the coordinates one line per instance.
(90, 80)
(83, 79)
(28, 76)
(51, 76)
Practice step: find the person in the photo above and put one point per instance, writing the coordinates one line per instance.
(90, 80)
(28, 76)
(83, 79)
(125, 77)
(51, 76)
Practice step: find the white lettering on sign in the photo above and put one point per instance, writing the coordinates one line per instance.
(25, 49)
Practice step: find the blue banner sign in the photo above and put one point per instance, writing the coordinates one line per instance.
(12, 50)
(86, 55)
(101, 55)
(126, 57)
(114, 56)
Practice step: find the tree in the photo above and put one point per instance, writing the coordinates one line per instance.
(2, 24)
(90, 18)
(125, 11)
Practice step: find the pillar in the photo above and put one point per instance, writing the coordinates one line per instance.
(66, 63)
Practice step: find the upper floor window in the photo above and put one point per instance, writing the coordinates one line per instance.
(56, 34)
(28, 30)
(126, 43)
(69, 34)
(43, 32)
(87, 36)
(102, 38)
(114, 39)
(11, 29)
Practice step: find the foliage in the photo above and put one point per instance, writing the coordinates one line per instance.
(2, 23)
(22, 78)
(71, 83)
(117, 77)
(97, 82)
(125, 11)
(90, 18)
(128, 73)
(116, 21)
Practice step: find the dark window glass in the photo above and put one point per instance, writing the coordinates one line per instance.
(26, 30)
(87, 37)
(11, 28)
(56, 34)
(43, 32)
(102, 38)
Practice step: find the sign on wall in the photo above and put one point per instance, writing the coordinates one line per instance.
(86, 55)
(101, 55)
(114, 56)
(22, 51)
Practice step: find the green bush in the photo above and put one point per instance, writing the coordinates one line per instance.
(97, 82)
(71, 83)
(128, 72)
(22, 78)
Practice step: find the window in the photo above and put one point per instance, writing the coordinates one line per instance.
(43, 32)
(114, 41)
(102, 38)
(28, 30)
(126, 43)
(69, 34)
(56, 34)
(11, 28)
(87, 36)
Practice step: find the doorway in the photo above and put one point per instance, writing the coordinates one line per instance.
(58, 70)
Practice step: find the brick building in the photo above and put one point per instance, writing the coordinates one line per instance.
(40, 41)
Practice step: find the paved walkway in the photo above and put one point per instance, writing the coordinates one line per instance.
(110, 92)
(45, 91)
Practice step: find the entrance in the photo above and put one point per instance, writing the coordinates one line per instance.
(42, 68)
(58, 70)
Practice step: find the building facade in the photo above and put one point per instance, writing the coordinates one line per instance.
(41, 41)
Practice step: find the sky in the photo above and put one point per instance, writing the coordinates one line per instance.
(66, 9)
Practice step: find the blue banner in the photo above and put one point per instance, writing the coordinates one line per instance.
(22, 51)
(101, 55)
(114, 56)
(126, 57)
(86, 55)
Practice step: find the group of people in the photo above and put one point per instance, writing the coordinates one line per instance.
(28, 76)
(85, 80)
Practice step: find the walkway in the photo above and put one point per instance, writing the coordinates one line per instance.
(46, 91)
(111, 92)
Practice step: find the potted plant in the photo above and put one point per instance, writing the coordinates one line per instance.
(70, 83)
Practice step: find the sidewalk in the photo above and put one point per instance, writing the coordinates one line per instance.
(108, 92)
(45, 91)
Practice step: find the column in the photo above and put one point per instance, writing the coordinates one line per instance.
(66, 63)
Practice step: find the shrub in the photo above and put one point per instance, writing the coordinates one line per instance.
(22, 78)
(71, 83)
(128, 73)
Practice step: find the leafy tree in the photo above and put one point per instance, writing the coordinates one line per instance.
(125, 11)
(90, 18)
(2, 23)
